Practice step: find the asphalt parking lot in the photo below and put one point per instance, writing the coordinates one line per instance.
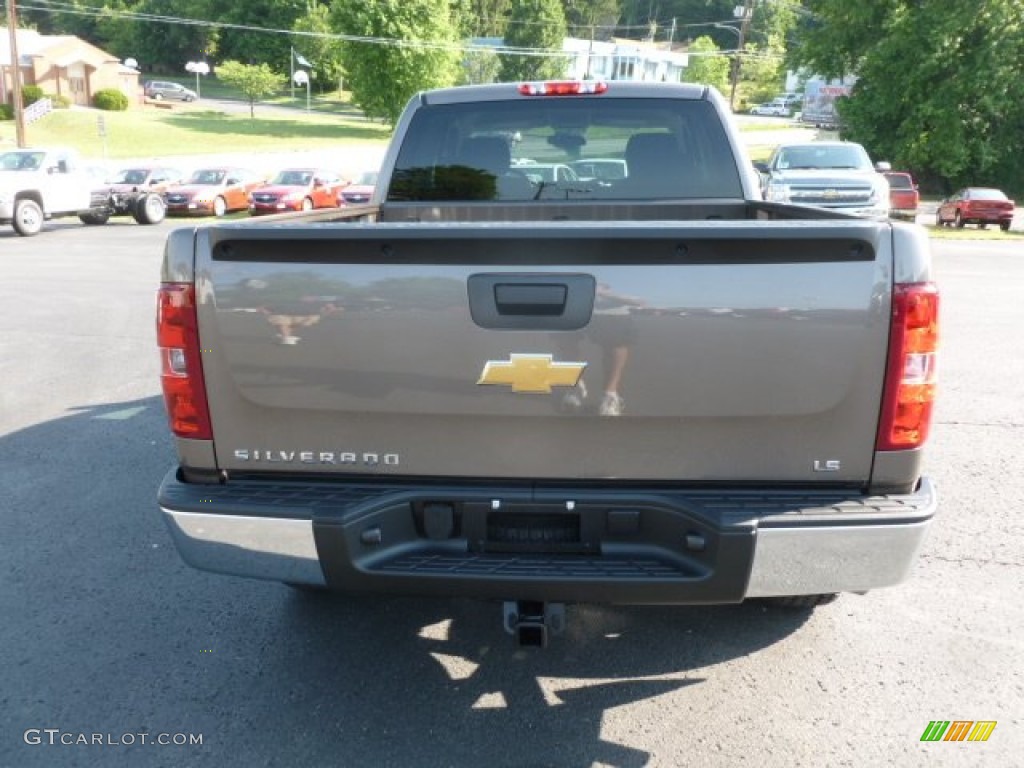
(105, 631)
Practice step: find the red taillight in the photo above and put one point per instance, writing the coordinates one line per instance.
(181, 368)
(563, 87)
(911, 370)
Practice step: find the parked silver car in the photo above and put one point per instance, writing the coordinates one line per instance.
(159, 90)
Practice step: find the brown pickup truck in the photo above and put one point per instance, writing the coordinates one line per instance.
(657, 388)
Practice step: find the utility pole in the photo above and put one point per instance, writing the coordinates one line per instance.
(745, 12)
(590, 56)
(19, 110)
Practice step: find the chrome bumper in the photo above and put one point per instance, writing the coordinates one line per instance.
(848, 548)
(812, 561)
(261, 547)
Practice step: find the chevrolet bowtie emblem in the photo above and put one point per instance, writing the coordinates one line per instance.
(535, 374)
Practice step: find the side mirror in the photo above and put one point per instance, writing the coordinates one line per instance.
(883, 166)
(761, 166)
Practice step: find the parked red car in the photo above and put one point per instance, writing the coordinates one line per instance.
(976, 205)
(359, 193)
(212, 190)
(297, 189)
(903, 195)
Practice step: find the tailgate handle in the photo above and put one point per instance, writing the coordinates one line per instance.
(549, 302)
(527, 299)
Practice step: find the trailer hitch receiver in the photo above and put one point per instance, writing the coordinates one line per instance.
(531, 622)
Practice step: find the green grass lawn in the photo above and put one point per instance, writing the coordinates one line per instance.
(192, 129)
(972, 233)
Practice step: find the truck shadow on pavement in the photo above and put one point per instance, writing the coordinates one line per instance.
(108, 631)
(480, 700)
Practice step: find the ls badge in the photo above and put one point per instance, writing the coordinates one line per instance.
(532, 374)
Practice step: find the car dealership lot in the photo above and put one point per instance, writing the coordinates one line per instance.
(107, 632)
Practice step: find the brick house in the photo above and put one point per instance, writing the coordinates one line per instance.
(64, 65)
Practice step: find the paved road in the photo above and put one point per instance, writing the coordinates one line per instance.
(105, 631)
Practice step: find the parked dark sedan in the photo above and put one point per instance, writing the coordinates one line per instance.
(976, 205)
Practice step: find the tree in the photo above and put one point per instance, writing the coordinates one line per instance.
(707, 65)
(763, 73)
(591, 18)
(158, 46)
(489, 17)
(479, 67)
(940, 86)
(410, 51)
(317, 46)
(254, 80)
(252, 45)
(538, 25)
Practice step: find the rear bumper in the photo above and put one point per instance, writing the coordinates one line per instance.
(636, 546)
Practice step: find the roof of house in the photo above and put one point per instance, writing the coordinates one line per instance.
(61, 50)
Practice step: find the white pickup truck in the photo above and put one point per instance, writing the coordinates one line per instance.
(44, 183)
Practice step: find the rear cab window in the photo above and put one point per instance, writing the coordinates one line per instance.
(559, 150)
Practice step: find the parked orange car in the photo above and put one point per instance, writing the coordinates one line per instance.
(213, 190)
(297, 189)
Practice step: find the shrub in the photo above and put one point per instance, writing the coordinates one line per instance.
(59, 100)
(110, 99)
(6, 112)
(30, 94)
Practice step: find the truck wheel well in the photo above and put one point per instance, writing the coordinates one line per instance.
(30, 194)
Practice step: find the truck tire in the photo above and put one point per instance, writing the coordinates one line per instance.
(94, 218)
(1004, 225)
(28, 217)
(307, 204)
(150, 209)
(220, 207)
(958, 221)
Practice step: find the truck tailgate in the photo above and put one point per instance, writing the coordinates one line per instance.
(744, 351)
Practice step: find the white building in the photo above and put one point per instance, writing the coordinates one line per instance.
(616, 59)
(620, 59)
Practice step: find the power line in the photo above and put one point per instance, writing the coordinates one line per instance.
(107, 13)
(56, 7)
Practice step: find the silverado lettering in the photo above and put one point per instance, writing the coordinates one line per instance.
(677, 364)
(319, 457)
